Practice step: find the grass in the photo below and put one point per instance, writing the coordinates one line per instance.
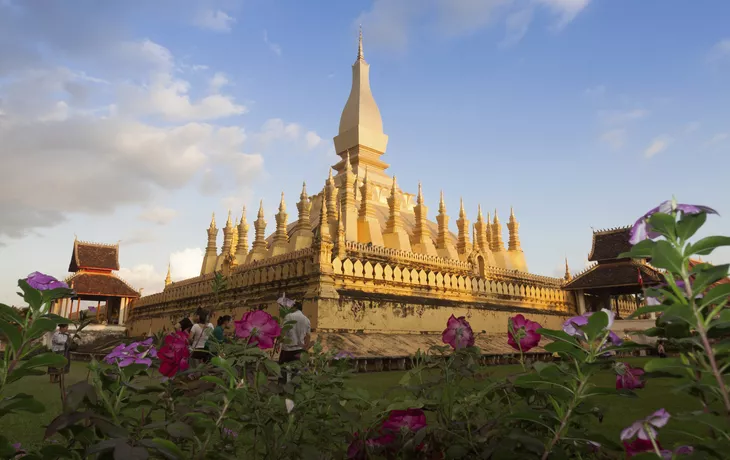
(28, 428)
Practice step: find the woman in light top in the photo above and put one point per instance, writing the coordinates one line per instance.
(60, 342)
(199, 335)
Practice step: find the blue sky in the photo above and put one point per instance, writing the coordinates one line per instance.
(133, 121)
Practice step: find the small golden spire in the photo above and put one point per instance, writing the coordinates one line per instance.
(243, 215)
(282, 205)
(348, 165)
(261, 209)
(329, 177)
(168, 278)
(419, 198)
(212, 221)
(496, 218)
(479, 213)
(229, 224)
(304, 195)
(462, 212)
(442, 204)
(568, 276)
(360, 55)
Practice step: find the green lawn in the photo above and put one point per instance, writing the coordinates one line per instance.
(28, 428)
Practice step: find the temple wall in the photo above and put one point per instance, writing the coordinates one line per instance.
(374, 289)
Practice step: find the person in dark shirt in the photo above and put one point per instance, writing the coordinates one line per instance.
(220, 330)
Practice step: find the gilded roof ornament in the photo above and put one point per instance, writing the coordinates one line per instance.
(360, 55)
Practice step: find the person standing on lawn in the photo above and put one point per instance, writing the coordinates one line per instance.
(299, 336)
(199, 335)
(60, 344)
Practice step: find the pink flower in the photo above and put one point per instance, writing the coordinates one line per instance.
(41, 282)
(412, 419)
(174, 354)
(629, 377)
(638, 446)
(357, 449)
(646, 429)
(259, 327)
(458, 333)
(522, 333)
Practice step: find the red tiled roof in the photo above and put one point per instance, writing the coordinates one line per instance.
(615, 274)
(100, 284)
(95, 256)
(608, 244)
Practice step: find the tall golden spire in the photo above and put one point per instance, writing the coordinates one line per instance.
(210, 259)
(367, 210)
(168, 278)
(395, 221)
(330, 197)
(280, 240)
(444, 245)
(324, 228)
(463, 245)
(341, 249)
(497, 243)
(227, 235)
(258, 247)
(212, 221)
(361, 126)
(242, 246)
(513, 226)
(480, 229)
(301, 235)
(422, 240)
(568, 276)
(360, 55)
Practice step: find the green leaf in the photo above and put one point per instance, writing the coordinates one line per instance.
(670, 365)
(689, 224)
(597, 323)
(562, 347)
(180, 430)
(666, 256)
(715, 295)
(124, 451)
(561, 336)
(403, 405)
(641, 250)
(12, 335)
(705, 246)
(110, 429)
(20, 402)
(10, 314)
(706, 277)
(664, 224)
(213, 379)
(40, 326)
(456, 451)
(104, 446)
(45, 359)
(32, 297)
(166, 448)
(273, 367)
(19, 372)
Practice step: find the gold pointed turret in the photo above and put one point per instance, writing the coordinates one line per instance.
(301, 236)
(258, 248)
(514, 237)
(361, 126)
(168, 278)
(567, 276)
(210, 259)
(242, 246)
(463, 245)
(444, 244)
(280, 240)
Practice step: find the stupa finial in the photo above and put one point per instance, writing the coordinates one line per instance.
(359, 45)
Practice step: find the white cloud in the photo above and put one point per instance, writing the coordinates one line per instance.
(186, 263)
(389, 23)
(718, 138)
(616, 138)
(720, 50)
(658, 145)
(516, 24)
(692, 127)
(312, 139)
(619, 117)
(275, 48)
(145, 277)
(140, 236)
(218, 81)
(597, 91)
(158, 215)
(218, 21)
(565, 10)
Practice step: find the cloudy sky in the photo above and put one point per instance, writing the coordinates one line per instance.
(134, 121)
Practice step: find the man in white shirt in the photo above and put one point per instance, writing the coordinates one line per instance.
(298, 336)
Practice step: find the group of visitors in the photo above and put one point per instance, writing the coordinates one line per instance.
(202, 335)
(203, 338)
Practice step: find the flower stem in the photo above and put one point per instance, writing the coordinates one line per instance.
(577, 395)
(648, 430)
(702, 331)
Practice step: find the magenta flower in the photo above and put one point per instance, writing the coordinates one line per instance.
(92, 310)
(458, 333)
(41, 282)
(229, 433)
(628, 377)
(411, 419)
(646, 429)
(522, 333)
(642, 230)
(681, 450)
(357, 448)
(134, 353)
(639, 446)
(259, 328)
(174, 354)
